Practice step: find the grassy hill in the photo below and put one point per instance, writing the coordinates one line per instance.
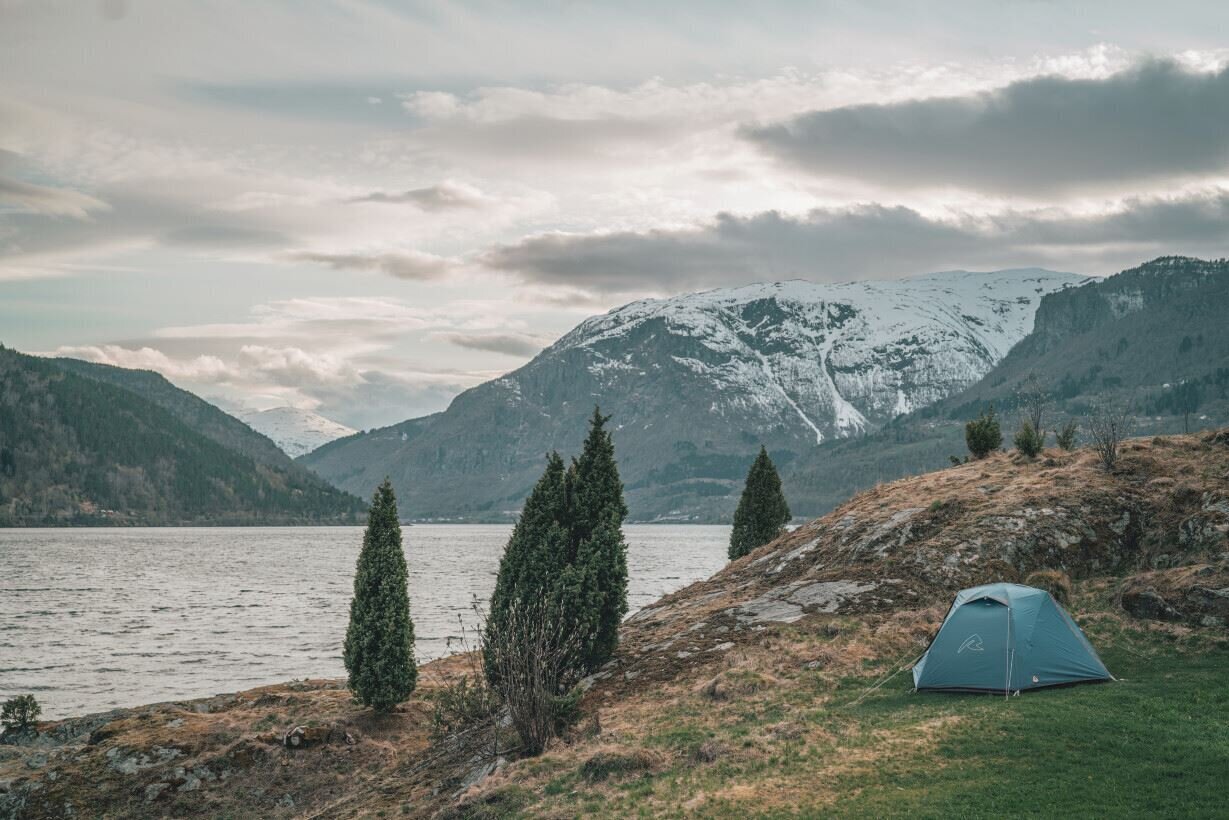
(750, 694)
(121, 447)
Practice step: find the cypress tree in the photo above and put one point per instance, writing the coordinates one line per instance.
(536, 553)
(762, 511)
(567, 552)
(379, 649)
(597, 532)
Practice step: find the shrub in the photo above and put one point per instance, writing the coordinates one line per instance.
(1108, 428)
(530, 654)
(19, 713)
(1066, 436)
(983, 435)
(1052, 581)
(463, 704)
(1028, 440)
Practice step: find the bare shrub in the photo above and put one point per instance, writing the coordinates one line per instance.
(1108, 428)
(1032, 400)
(531, 655)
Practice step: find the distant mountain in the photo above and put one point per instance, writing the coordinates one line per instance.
(695, 383)
(1138, 338)
(297, 432)
(87, 444)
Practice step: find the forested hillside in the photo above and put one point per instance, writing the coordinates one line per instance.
(76, 450)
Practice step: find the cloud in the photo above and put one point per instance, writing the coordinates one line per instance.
(42, 199)
(1040, 135)
(867, 241)
(401, 264)
(203, 368)
(510, 344)
(442, 197)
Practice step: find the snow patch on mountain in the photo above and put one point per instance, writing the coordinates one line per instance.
(297, 432)
(839, 359)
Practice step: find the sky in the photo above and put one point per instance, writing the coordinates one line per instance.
(362, 208)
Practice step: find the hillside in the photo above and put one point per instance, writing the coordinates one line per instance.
(695, 383)
(295, 431)
(189, 408)
(1131, 339)
(96, 450)
(747, 693)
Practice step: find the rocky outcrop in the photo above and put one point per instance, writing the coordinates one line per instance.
(914, 542)
(1196, 594)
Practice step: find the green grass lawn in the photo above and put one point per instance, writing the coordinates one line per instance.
(1155, 744)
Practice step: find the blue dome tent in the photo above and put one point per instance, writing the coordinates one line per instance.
(1006, 638)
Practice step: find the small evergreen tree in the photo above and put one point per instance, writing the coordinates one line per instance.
(1066, 436)
(600, 555)
(379, 649)
(536, 553)
(567, 555)
(983, 435)
(762, 511)
(1028, 441)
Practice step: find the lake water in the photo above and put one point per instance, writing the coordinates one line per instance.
(92, 619)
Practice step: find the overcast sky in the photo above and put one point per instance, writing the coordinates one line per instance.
(364, 207)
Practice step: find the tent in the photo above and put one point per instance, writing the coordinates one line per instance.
(1005, 638)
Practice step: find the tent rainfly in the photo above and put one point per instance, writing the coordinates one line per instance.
(1006, 638)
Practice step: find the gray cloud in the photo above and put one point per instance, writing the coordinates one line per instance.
(402, 265)
(871, 241)
(1038, 135)
(445, 196)
(510, 344)
(49, 201)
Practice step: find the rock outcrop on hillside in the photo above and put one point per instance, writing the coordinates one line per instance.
(916, 541)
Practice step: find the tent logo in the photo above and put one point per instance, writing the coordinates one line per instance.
(971, 643)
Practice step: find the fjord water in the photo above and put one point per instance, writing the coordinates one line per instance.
(92, 619)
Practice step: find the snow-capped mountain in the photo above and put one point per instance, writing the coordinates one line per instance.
(829, 360)
(696, 382)
(296, 431)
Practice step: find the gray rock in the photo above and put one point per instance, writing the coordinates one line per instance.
(1148, 603)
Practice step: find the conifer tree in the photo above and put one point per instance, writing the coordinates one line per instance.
(536, 553)
(379, 648)
(567, 556)
(597, 533)
(762, 511)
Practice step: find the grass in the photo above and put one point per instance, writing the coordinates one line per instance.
(1153, 744)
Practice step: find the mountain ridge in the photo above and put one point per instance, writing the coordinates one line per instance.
(695, 383)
